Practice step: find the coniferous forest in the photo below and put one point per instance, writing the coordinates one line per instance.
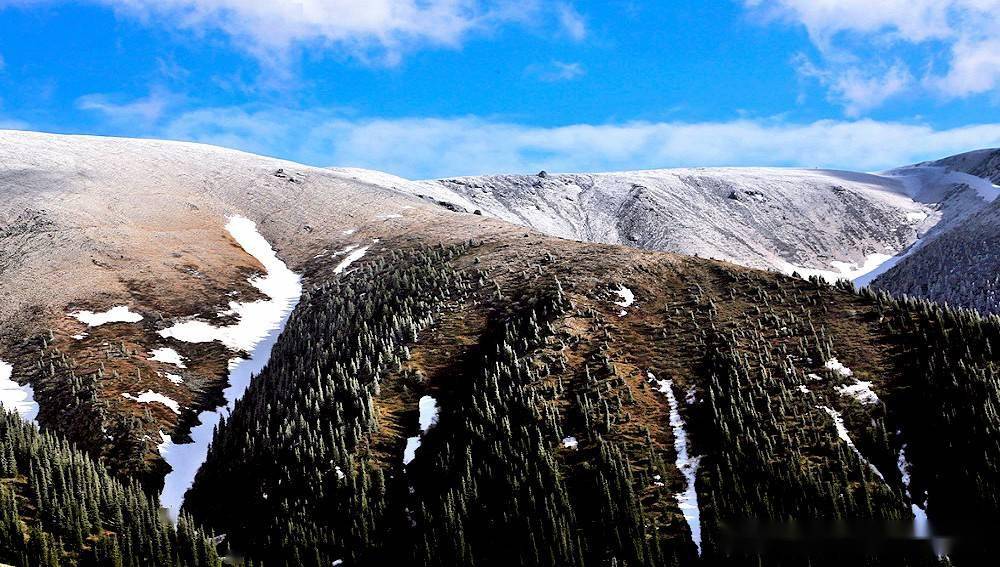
(819, 425)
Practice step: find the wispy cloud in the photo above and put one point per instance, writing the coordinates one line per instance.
(134, 113)
(434, 147)
(556, 71)
(378, 31)
(572, 21)
(855, 37)
(858, 89)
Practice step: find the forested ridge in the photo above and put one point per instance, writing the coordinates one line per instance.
(819, 425)
(523, 354)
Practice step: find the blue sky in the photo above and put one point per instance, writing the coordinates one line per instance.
(426, 88)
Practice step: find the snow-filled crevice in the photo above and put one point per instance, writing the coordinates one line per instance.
(258, 327)
(15, 397)
(687, 501)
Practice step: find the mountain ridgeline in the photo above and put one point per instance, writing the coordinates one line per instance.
(814, 416)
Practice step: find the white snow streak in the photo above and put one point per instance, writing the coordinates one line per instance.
(120, 314)
(258, 318)
(428, 418)
(570, 442)
(687, 501)
(167, 355)
(350, 259)
(841, 270)
(175, 378)
(259, 325)
(150, 396)
(428, 413)
(16, 397)
(921, 527)
(410, 452)
(838, 422)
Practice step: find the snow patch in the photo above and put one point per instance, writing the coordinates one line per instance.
(838, 422)
(119, 314)
(410, 452)
(175, 378)
(167, 355)
(859, 390)
(258, 318)
(921, 527)
(841, 270)
(835, 365)
(81, 336)
(428, 413)
(569, 442)
(687, 501)
(428, 418)
(259, 325)
(16, 397)
(350, 259)
(150, 396)
(627, 298)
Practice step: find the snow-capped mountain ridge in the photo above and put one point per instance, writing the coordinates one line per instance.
(836, 224)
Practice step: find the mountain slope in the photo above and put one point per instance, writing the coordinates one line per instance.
(497, 404)
(446, 388)
(834, 223)
(106, 243)
(979, 163)
(961, 265)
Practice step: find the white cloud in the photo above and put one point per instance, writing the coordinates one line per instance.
(854, 37)
(436, 147)
(143, 112)
(975, 69)
(859, 89)
(369, 29)
(572, 22)
(556, 71)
